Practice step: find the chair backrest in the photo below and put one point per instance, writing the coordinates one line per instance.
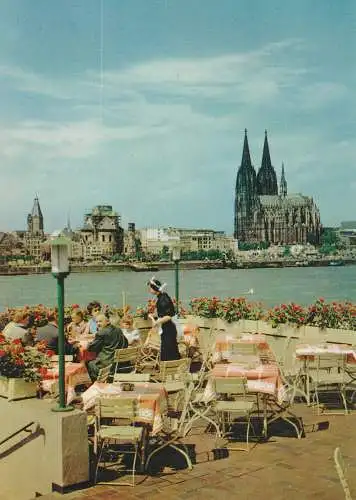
(173, 370)
(124, 409)
(68, 358)
(268, 357)
(248, 349)
(206, 340)
(104, 374)
(234, 332)
(132, 377)
(230, 385)
(329, 361)
(341, 471)
(129, 354)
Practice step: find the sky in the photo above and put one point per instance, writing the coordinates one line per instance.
(142, 105)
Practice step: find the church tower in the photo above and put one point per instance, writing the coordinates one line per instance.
(35, 220)
(266, 177)
(246, 200)
(283, 184)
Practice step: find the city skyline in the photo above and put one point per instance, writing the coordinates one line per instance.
(159, 133)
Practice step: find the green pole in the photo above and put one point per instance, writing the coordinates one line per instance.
(177, 285)
(61, 363)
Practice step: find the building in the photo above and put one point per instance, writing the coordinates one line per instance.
(34, 236)
(265, 213)
(132, 243)
(347, 233)
(101, 233)
(156, 240)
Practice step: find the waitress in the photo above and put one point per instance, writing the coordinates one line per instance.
(165, 313)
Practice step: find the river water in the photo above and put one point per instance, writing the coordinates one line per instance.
(270, 286)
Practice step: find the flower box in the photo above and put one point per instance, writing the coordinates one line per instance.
(17, 388)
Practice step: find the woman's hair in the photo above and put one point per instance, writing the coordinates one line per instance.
(20, 316)
(77, 313)
(127, 320)
(93, 305)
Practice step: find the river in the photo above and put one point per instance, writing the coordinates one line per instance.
(270, 286)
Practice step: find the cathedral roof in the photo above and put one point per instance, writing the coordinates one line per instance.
(295, 200)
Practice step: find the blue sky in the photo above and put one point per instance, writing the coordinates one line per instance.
(161, 138)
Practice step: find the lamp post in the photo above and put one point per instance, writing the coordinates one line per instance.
(176, 259)
(60, 270)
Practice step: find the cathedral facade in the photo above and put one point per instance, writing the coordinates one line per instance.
(265, 212)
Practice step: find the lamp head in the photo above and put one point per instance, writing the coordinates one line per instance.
(59, 254)
(176, 253)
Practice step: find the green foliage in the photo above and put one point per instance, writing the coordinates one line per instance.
(329, 237)
(204, 254)
(286, 251)
(262, 245)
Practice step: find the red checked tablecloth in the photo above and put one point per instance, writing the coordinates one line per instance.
(84, 354)
(151, 398)
(304, 351)
(75, 374)
(227, 346)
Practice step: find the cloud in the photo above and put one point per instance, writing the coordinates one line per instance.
(172, 127)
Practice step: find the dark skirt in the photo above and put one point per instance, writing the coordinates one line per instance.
(169, 345)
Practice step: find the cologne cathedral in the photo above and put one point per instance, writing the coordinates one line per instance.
(264, 213)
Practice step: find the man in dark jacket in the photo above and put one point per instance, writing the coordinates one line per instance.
(107, 340)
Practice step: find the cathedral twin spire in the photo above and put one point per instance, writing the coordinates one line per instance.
(266, 176)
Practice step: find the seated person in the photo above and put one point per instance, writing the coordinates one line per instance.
(18, 328)
(107, 340)
(132, 335)
(78, 327)
(48, 334)
(93, 308)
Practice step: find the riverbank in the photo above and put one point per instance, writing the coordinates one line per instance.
(166, 266)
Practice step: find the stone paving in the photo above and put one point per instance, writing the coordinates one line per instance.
(281, 468)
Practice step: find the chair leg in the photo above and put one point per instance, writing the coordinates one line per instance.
(184, 453)
(98, 462)
(343, 396)
(134, 464)
(172, 445)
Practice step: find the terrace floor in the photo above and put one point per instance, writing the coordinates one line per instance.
(281, 468)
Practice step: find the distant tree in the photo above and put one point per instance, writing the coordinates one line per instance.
(330, 237)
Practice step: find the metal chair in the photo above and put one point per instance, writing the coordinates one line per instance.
(228, 408)
(179, 394)
(330, 373)
(132, 377)
(341, 471)
(173, 370)
(244, 353)
(126, 358)
(123, 410)
(148, 358)
(104, 374)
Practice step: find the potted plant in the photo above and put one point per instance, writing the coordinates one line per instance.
(21, 369)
